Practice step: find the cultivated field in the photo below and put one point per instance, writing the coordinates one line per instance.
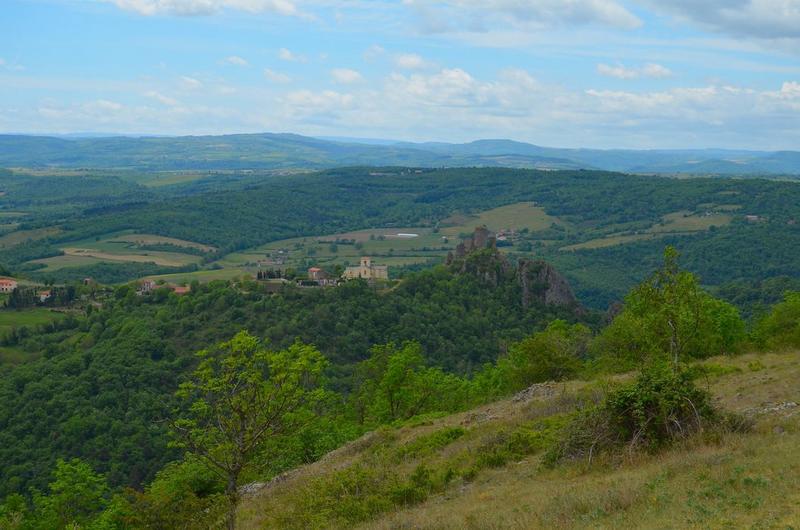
(676, 223)
(150, 239)
(21, 236)
(512, 217)
(388, 246)
(122, 248)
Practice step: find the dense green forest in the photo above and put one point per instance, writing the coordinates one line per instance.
(104, 379)
(105, 389)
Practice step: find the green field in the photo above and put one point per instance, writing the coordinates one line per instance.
(180, 278)
(686, 221)
(412, 245)
(10, 319)
(676, 223)
(150, 239)
(388, 246)
(516, 217)
(28, 317)
(122, 248)
(20, 236)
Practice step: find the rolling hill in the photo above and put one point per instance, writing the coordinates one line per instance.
(277, 151)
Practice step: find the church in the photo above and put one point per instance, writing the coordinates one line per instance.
(367, 271)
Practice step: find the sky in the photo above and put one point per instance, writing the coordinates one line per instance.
(567, 73)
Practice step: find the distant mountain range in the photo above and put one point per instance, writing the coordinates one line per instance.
(277, 151)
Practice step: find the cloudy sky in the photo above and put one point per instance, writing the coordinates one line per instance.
(573, 73)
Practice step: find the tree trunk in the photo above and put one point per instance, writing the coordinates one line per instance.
(232, 492)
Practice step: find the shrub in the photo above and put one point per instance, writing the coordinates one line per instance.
(525, 440)
(661, 406)
(425, 445)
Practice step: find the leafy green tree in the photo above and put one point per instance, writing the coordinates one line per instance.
(394, 384)
(76, 495)
(670, 315)
(240, 395)
(13, 512)
(554, 354)
(780, 328)
(185, 494)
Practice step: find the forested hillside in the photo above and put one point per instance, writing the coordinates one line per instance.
(94, 414)
(606, 229)
(113, 372)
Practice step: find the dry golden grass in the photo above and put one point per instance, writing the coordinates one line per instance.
(714, 481)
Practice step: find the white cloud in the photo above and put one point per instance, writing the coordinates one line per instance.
(285, 54)
(161, 98)
(346, 75)
(236, 60)
(105, 105)
(453, 104)
(276, 77)
(621, 71)
(205, 7)
(190, 83)
(373, 52)
(10, 66)
(618, 71)
(411, 61)
(764, 19)
(656, 70)
(440, 16)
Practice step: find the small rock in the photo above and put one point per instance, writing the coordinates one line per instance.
(538, 389)
(251, 489)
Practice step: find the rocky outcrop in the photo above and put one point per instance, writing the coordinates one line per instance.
(539, 281)
(482, 238)
(542, 283)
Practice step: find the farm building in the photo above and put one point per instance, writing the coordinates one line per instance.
(321, 277)
(7, 285)
(180, 290)
(316, 274)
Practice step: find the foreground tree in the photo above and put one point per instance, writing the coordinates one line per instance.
(395, 384)
(241, 395)
(554, 354)
(670, 315)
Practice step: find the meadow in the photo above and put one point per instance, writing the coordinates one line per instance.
(748, 480)
(10, 319)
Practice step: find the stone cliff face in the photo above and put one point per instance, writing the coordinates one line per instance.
(540, 282)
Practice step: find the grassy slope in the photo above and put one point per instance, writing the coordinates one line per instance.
(739, 481)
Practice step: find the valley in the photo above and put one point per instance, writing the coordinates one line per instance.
(408, 264)
(581, 221)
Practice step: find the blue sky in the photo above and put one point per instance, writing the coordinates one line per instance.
(573, 73)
